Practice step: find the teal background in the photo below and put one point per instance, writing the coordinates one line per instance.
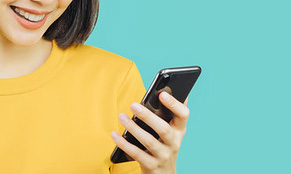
(240, 106)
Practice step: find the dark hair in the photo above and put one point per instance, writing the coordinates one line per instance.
(75, 25)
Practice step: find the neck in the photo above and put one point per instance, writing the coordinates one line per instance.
(18, 60)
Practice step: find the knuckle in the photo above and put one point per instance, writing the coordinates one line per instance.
(171, 103)
(143, 114)
(135, 154)
(187, 111)
(184, 112)
(165, 131)
(165, 157)
(120, 142)
(149, 143)
(176, 147)
(152, 165)
(129, 125)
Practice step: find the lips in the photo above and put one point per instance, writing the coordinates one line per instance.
(28, 18)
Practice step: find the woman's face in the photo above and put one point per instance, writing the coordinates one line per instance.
(24, 22)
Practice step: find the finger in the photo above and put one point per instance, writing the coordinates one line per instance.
(160, 126)
(136, 153)
(150, 142)
(180, 111)
(186, 101)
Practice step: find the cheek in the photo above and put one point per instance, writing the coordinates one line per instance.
(7, 1)
(65, 3)
(61, 8)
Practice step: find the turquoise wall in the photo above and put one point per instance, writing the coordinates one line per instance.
(240, 120)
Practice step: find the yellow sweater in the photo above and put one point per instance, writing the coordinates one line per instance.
(58, 119)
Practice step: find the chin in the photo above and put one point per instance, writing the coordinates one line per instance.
(25, 40)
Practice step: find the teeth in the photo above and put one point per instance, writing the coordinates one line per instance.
(17, 10)
(28, 16)
(32, 17)
(21, 12)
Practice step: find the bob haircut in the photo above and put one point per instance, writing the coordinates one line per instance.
(75, 25)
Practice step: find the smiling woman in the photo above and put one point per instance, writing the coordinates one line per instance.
(66, 21)
(17, 16)
(60, 98)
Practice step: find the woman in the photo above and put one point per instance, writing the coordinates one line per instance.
(60, 98)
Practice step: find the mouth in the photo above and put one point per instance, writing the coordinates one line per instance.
(30, 15)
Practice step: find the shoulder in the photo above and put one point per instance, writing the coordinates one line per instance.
(96, 62)
(86, 54)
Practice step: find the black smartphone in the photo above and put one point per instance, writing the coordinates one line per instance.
(176, 81)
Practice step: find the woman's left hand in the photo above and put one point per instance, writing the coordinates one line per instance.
(162, 154)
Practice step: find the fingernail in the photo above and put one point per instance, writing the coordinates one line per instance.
(136, 108)
(123, 118)
(165, 96)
